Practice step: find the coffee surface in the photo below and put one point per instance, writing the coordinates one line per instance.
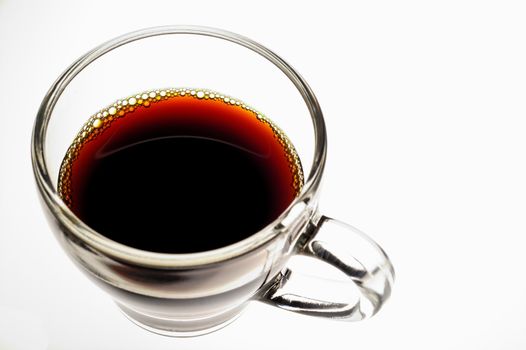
(179, 171)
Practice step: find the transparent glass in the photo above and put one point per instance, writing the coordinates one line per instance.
(193, 294)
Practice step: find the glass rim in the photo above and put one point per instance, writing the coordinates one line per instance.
(136, 256)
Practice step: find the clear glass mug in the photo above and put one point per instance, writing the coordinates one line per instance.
(193, 294)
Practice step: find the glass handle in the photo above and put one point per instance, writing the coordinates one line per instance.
(349, 250)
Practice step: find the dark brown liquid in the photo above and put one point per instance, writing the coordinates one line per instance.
(174, 173)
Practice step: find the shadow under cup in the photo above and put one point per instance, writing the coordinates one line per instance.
(193, 294)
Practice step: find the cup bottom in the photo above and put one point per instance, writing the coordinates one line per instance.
(181, 328)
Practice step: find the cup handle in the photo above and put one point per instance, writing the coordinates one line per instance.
(350, 251)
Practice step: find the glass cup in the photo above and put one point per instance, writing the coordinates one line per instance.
(193, 294)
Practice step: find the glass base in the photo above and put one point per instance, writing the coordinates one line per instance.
(181, 328)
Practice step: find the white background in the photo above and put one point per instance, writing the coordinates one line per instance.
(425, 104)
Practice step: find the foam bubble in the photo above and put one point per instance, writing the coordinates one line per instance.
(103, 119)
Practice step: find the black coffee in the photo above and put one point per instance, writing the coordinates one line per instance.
(179, 171)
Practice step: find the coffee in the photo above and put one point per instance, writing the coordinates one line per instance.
(179, 171)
